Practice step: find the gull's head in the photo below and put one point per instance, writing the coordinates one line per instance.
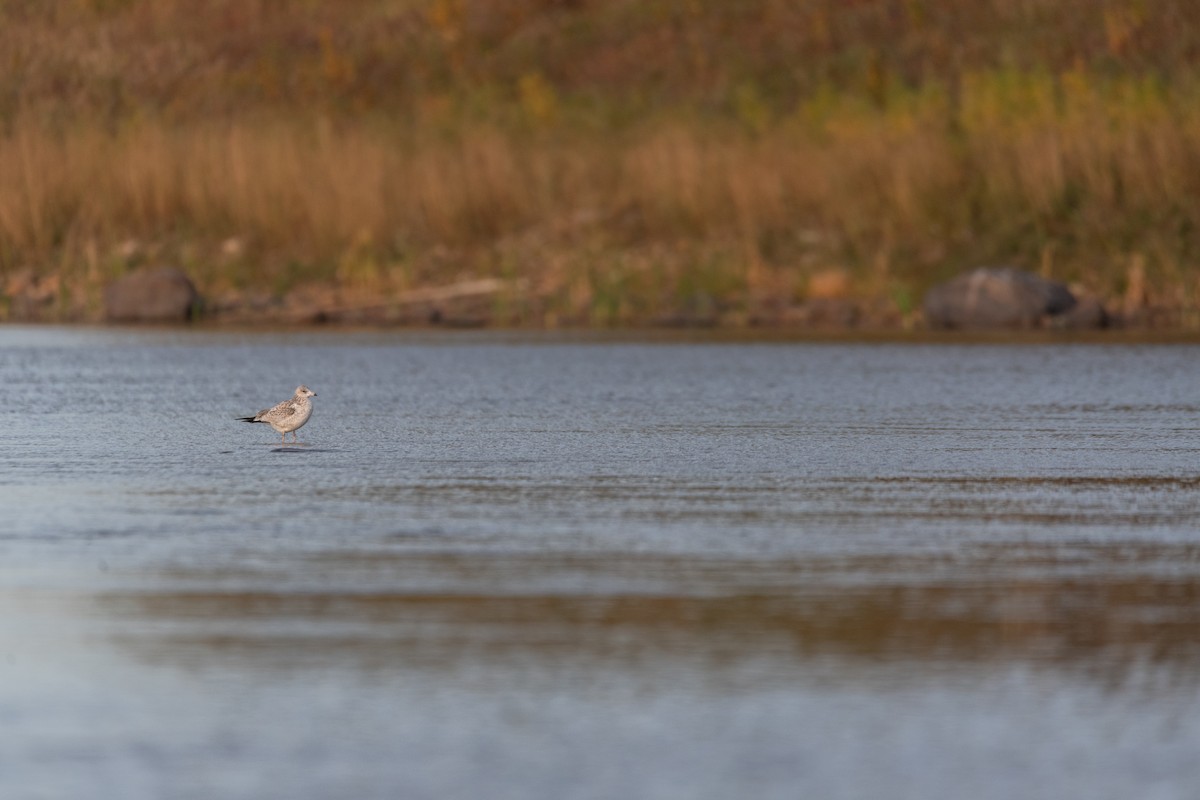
(304, 391)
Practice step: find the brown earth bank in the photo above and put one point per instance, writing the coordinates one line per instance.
(830, 300)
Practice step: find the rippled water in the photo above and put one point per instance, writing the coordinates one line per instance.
(526, 567)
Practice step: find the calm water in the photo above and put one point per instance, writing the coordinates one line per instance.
(516, 567)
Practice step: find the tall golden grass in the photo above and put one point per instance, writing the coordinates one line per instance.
(1072, 173)
(610, 161)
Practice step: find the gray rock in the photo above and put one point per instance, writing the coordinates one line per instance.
(162, 294)
(997, 298)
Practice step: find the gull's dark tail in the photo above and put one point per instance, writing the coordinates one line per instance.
(248, 419)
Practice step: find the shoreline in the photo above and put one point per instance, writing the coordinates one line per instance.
(831, 307)
(648, 334)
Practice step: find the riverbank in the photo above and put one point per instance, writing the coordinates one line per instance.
(571, 164)
(499, 305)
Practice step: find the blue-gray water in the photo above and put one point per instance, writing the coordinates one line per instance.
(521, 567)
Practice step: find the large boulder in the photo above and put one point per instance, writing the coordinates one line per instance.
(162, 294)
(1004, 298)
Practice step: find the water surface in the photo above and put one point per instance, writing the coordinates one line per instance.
(531, 567)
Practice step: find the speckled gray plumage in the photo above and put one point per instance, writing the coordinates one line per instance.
(288, 416)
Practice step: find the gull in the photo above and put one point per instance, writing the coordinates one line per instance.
(287, 416)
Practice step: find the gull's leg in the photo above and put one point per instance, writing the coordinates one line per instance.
(282, 439)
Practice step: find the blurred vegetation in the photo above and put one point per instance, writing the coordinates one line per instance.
(612, 161)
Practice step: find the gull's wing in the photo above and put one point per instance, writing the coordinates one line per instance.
(279, 411)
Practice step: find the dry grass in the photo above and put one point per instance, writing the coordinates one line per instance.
(465, 158)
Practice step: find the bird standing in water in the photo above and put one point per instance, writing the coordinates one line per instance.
(288, 416)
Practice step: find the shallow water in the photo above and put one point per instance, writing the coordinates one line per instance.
(527, 567)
